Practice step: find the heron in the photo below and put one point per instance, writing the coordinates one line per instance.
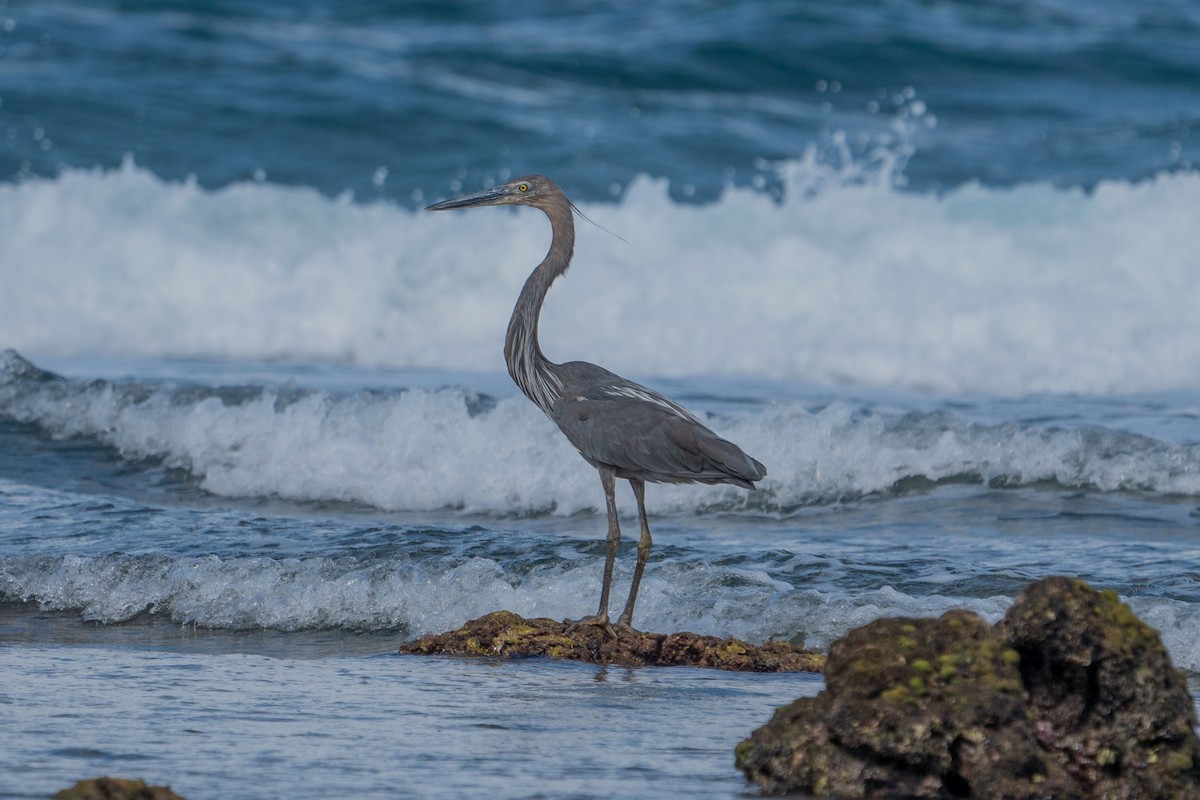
(621, 428)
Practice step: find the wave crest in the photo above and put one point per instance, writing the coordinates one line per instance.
(847, 280)
(416, 449)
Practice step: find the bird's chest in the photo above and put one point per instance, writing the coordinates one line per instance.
(584, 421)
(575, 413)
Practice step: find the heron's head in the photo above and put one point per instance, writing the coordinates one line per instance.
(532, 190)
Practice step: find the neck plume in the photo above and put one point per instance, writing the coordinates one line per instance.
(529, 368)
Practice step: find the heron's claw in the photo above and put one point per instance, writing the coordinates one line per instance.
(624, 627)
(600, 620)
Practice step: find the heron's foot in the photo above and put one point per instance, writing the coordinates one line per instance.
(623, 625)
(600, 620)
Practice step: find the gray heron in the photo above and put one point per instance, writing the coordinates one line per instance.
(621, 428)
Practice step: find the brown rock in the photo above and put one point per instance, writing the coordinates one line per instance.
(116, 789)
(912, 708)
(1071, 696)
(1108, 702)
(503, 634)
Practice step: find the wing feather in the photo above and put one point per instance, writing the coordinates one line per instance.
(643, 435)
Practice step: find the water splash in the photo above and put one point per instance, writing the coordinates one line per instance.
(847, 280)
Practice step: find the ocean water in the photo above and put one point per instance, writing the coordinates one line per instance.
(934, 264)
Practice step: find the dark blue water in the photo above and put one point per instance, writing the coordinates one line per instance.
(390, 99)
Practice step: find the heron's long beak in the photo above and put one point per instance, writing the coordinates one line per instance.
(488, 197)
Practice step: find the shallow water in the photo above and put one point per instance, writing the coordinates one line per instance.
(238, 725)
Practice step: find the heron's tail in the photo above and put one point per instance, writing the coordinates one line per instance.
(722, 461)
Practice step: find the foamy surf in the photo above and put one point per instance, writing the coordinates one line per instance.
(313, 593)
(846, 280)
(416, 597)
(417, 449)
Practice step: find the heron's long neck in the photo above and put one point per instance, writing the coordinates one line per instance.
(531, 370)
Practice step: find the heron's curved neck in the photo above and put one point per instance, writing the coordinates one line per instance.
(529, 368)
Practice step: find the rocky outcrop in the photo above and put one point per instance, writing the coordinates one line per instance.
(1070, 696)
(504, 634)
(1106, 701)
(116, 789)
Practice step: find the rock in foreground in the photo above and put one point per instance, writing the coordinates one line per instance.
(503, 634)
(1070, 696)
(116, 789)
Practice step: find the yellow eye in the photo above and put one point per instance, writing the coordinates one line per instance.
(524, 187)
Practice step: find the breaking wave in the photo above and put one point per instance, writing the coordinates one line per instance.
(847, 280)
(420, 449)
(417, 597)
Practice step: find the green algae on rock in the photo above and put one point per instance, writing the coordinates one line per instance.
(892, 724)
(1108, 702)
(106, 788)
(503, 634)
(1070, 696)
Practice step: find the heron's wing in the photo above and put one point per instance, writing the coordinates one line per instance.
(640, 432)
(586, 380)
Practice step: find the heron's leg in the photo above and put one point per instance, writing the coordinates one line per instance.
(643, 553)
(608, 481)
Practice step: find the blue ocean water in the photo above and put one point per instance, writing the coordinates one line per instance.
(390, 99)
(934, 264)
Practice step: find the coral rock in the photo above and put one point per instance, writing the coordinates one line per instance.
(1101, 685)
(503, 634)
(1070, 696)
(116, 789)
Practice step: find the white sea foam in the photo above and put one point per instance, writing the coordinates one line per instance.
(1026, 289)
(423, 450)
(316, 593)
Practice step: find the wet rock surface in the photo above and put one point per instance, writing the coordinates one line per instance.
(1106, 699)
(116, 789)
(1069, 696)
(503, 634)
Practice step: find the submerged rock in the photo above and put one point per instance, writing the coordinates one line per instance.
(503, 634)
(116, 789)
(1070, 696)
